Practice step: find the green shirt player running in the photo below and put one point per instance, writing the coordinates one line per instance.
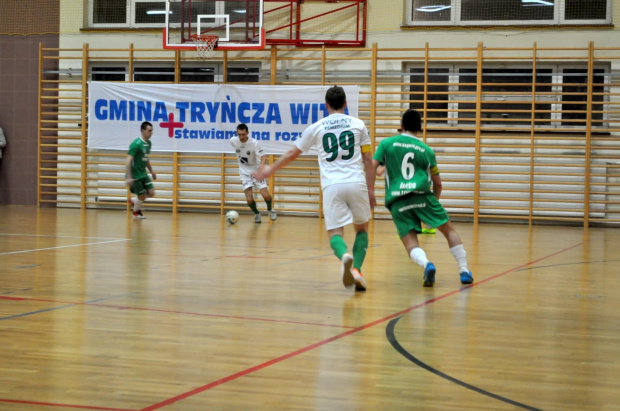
(137, 162)
(412, 190)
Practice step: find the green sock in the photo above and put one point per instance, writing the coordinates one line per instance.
(252, 205)
(359, 249)
(268, 205)
(339, 246)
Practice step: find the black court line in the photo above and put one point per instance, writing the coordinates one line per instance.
(60, 307)
(389, 332)
(293, 354)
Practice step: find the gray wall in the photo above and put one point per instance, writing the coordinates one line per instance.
(19, 98)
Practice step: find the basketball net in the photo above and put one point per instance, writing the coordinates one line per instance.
(204, 44)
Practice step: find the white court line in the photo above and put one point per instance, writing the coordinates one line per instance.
(55, 236)
(64, 246)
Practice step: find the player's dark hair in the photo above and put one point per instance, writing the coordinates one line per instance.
(412, 121)
(242, 126)
(335, 97)
(144, 125)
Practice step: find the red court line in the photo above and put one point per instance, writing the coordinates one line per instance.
(120, 307)
(248, 256)
(51, 404)
(339, 336)
(2, 297)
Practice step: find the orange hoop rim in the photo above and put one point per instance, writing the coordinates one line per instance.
(204, 37)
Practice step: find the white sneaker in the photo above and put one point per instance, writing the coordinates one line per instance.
(347, 275)
(257, 218)
(360, 282)
(273, 215)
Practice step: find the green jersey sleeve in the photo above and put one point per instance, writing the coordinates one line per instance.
(134, 149)
(432, 162)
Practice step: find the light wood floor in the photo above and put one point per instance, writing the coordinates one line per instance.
(102, 312)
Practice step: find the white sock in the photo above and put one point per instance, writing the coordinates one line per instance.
(460, 256)
(418, 256)
(137, 204)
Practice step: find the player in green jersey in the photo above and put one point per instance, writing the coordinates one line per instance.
(137, 162)
(412, 191)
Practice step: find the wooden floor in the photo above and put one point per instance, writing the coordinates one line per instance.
(102, 312)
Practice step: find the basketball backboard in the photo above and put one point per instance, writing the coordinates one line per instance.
(238, 23)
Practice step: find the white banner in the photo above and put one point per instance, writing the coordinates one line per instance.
(202, 118)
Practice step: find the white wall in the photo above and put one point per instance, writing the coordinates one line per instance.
(385, 18)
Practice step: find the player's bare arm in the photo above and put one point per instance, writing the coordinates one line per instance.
(436, 185)
(148, 165)
(283, 161)
(376, 166)
(128, 164)
(370, 175)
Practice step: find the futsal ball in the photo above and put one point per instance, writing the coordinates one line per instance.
(232, 216)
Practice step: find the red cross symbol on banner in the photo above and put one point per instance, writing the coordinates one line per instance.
(171, 125)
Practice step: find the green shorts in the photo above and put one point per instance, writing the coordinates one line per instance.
(140, 186)
(410, 211)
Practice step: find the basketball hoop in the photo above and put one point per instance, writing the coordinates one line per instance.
(204, 44)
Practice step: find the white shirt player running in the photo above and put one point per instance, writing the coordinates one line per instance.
(337, 138)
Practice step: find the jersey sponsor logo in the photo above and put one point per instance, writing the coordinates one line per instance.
(411, 206)
(413, 146)
(407, 186)
(336, 123)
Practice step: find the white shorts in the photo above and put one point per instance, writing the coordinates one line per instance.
(248, 181)
(345, 204)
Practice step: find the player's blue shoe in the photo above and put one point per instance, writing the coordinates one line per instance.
(429, 275)
(466, 277)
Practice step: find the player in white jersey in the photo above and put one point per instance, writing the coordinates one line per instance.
(251, 157)
(345, 161)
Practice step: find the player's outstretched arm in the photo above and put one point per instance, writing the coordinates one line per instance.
(266, 171)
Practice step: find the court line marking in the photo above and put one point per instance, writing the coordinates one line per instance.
(266, 364)
(51, 404)
(121, 307)
(67, 305)
(577, 263)
(64, 246)
(389, 332)
(55, 236)
(318, 257)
